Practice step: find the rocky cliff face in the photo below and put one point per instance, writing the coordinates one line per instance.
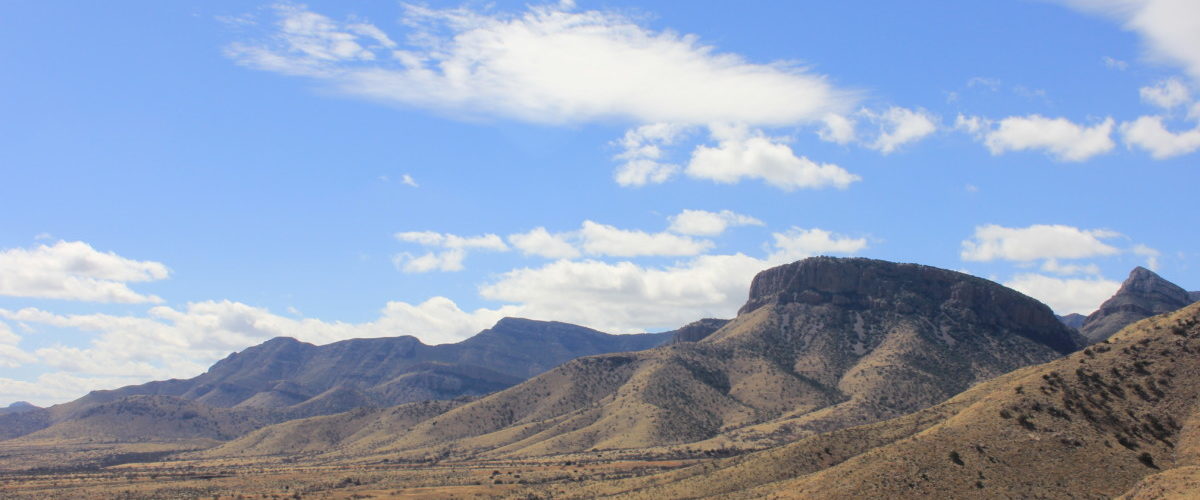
(697, 330)
(907, 289)
(1142, 295)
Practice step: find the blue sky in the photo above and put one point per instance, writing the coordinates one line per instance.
(187, 179)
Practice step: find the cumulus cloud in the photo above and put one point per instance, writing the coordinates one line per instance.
(1065, 295)
(602, 239)
(742, 153)
(541, 243)
(450, 258)
(837, 129)
(75, 271)
(408, 180)
(549, 64)
(1054, 266)
(625, 296)
(1059, 137)
(704, 223)
(642, 152)
(899, 126)
(1166, 94)
(1150, 134)
(797, 243)
(11, 355)
(1039, 241)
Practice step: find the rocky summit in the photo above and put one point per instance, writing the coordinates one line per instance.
(1143, 294)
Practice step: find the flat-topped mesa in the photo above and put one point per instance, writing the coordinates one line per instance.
(907, 289)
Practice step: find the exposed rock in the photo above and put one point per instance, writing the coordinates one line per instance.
(697, 330)
(1142, 295)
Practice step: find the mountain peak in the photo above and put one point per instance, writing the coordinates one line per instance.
(1143, 294)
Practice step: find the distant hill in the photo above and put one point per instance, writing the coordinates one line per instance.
(1142, 295)
(1073, 320)
(18, 407)
(1117, 418)
(284, 379)
(821, 344)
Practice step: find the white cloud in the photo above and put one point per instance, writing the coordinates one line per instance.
(896, 127)
(602, 239)
(1149, 133)
(431, 238)
(11, 355)
(1166, 94)
(407, 180)
(1065, 295)
(1150, 254)
(1062, 139)
(1036, 242)
(1053, 266)
(447, 261)
(57, 387)
(450, 258)
(641, 152)
(837, 129)
(550, 64)
(75, 271)
(704, 223)
(741, 153)
(1169, 28)
(541, 243)
(1117, 64)
(798, 243)
(974, 125)
(899, 126)
(623, 296)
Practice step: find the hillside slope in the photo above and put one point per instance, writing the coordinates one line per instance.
(1120, 416)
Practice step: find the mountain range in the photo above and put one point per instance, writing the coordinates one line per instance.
(284, 379)
(838, 378)
(821, 344)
